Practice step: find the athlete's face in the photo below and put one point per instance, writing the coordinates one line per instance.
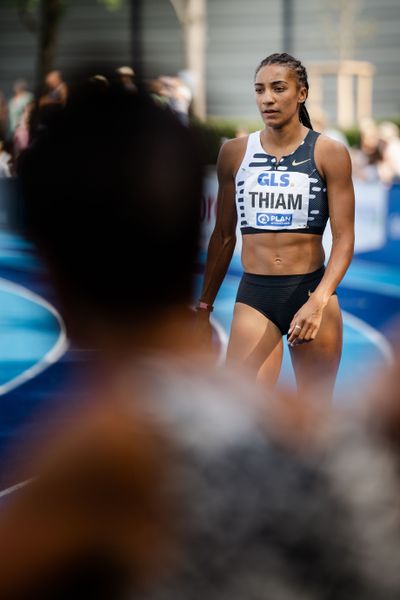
(278, 95)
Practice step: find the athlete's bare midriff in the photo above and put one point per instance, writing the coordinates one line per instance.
(282, 253)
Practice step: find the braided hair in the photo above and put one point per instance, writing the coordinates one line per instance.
(300, 71)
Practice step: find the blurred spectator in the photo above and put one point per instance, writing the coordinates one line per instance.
(100, 80)
(366, 159)
(56, 89)
(3, 116)
(389, 166)
(5, 160)
(241, 132)
(22, 132)
(159, 92)
(320, 122)
(180, 96)
(18, 103)
(126, 76)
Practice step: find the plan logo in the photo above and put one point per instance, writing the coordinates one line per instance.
(273, 220)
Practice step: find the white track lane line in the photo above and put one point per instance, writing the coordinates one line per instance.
(53, 355)
(14, 488)
(373, 335)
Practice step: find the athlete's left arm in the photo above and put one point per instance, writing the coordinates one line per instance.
(334, 163)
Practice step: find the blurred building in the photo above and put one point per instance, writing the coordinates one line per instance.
(238, 36)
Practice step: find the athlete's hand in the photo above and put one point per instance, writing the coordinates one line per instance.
(305, 323)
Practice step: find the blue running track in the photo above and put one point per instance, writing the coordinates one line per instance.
(40, 371)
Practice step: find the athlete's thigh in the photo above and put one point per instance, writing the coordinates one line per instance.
(255, 342)
(316, 363)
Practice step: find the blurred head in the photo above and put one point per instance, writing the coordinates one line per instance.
(126, 72)
(126, 76)
(319, 119)
(112, 190)
(388, 131)
(20, 86)
(53, 79)
(156, 86)
(369, 140)
(290, 69)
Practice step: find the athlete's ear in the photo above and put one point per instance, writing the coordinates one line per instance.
(302, 95)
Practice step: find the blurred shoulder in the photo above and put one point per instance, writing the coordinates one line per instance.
(203, 406)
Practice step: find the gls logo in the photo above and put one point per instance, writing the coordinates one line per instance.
(273, 220)
(274, 179)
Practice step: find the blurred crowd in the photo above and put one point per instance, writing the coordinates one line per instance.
(17, 114)
(178, 479)
(377, 158)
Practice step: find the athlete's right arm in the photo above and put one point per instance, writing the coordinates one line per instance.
(223, 239)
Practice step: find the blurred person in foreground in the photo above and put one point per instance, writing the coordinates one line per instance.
(91, 522)
(95, 521)
(256, 512)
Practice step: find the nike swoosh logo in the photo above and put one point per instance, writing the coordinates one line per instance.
(301, 162)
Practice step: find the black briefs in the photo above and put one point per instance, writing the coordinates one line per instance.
(278, 297)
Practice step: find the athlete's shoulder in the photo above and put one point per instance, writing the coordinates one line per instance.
(234, 146)
(231, 154)
(328, 146)
(332, 156)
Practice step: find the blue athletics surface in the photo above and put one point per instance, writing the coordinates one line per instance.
(40, 371)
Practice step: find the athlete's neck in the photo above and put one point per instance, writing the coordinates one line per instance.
(283, 141)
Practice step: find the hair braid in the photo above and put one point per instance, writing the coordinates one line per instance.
(299, 69)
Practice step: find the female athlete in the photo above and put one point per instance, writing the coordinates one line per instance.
(282, 184)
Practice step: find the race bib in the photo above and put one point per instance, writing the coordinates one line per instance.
(274, 199)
